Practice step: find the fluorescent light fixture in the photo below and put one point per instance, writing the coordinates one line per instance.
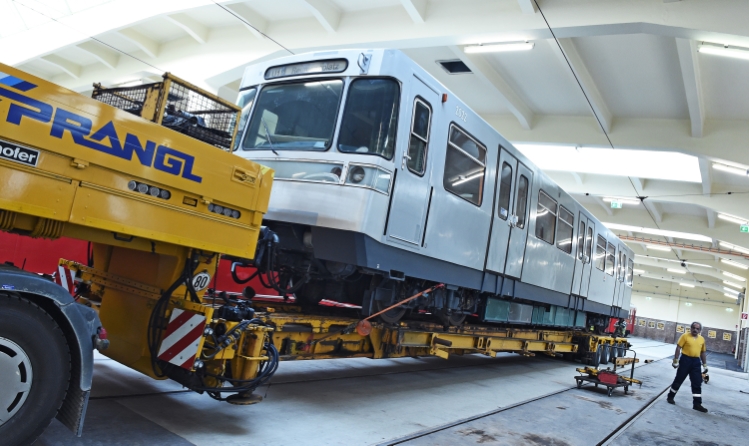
(731, 296)
(622, 200)
(677, 271)
(733, 276)
(736, 264)
(730, 290)
(620, 162)
(638, 271)
(661, 232)
(732, 219)
(733, 247)
(687, 285)
(731, 169)
(735, 285)
(499, 47)
(724, 50)
(648, 298)
(730, 310)
(639, 256)
(658, 248)
(689, 304)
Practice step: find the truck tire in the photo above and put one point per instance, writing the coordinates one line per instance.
(35, 370)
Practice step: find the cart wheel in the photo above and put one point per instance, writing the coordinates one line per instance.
(626, 389)
(611, 389)
(596, 385)
(579, 384)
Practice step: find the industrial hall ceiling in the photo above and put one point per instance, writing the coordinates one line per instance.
(643, 103)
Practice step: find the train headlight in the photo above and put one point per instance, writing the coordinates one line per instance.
(357, 174)
(372, 177)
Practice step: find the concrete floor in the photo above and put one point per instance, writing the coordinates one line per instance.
(365, 402)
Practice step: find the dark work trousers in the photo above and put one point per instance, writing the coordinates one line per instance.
(689, 366)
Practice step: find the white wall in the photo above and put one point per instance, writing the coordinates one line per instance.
(673, 308)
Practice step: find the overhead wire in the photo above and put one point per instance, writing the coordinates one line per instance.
(598, 120)
(243, 20)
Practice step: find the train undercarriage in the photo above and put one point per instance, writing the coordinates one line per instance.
(288, 264)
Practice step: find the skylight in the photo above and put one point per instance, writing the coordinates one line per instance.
(620, 162)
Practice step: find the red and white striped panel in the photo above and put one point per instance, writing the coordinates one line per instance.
(66, 279)
(182, 338)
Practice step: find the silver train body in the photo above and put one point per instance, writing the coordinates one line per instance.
(386, 183)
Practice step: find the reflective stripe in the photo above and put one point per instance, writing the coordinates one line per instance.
(672, 389)
(696, 394)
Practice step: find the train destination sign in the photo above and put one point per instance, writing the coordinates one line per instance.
(298, 69)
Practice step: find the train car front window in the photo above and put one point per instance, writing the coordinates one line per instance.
(610, 259)
(564, 230)
(245, 101)
(370, 118)
(600, 253)
(464, 166)
(298, 116)
(546, 217)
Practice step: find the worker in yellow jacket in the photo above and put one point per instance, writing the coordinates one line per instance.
(692, 348)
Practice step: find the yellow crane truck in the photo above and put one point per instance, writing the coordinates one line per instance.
(157, 206)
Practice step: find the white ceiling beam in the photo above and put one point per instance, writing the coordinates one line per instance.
(100, 53)
(639, 184)
(604, 205)
(72, 69)
(710, 218)
(192, 27)
(579, 177)
(690, 72)
(599, 107)
(485, 72)
(416, 9)
(707, 176)
(654, 210)
(254, 22)
(148, 46)
(528, 6)
(326, 13)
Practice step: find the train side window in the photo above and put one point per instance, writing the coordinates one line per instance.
(521, 204)
(546, 217)
(589, 243)
(505, 186)
(610, 259)
(465, 160)
(581, 240)
(600, 253)
(417, 146)
(565, 229)
(621, 270)
(630, 271)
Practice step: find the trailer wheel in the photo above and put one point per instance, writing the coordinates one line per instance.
(35, 369)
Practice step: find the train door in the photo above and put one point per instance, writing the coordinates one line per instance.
(502, 220)
(621, 276)
(617, 267)
(577, 277)
(411, 191)
(519, 227)
(585, 276)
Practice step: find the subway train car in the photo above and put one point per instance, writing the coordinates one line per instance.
(386, 184)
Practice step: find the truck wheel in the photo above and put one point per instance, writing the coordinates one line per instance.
(35, 370)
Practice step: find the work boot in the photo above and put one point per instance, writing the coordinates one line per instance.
(700, 408)
(670, 398)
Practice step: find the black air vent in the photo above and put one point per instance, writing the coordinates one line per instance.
(454, 66)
